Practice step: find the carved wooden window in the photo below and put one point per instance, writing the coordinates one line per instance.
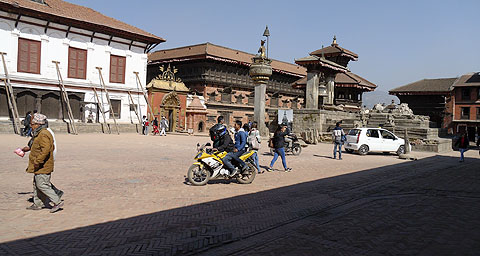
(77, 63)
(251, 99)
(29, 53)
(226, 97)
(117, 69)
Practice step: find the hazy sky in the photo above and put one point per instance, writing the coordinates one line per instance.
(398, 42)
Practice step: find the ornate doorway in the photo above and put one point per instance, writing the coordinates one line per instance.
(170, 108)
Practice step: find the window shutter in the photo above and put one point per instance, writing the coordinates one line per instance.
(28, 56)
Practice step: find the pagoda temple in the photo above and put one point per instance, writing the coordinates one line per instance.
(329, 79)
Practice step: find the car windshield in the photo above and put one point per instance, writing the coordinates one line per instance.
(354, 132)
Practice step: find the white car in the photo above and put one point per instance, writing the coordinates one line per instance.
(364, 140)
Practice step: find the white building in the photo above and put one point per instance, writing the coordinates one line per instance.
(33, 33)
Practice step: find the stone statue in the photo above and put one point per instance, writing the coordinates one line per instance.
(262, 50)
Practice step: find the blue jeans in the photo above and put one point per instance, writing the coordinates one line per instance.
(255, 159)
(235, 156)
(339, 145)
(462, 150)
(281, 152)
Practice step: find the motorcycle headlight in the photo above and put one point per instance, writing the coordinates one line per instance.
(198, 155)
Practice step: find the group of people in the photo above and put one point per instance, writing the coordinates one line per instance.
(163, 125)
(27, 129)
(41, 160)
(246, 137)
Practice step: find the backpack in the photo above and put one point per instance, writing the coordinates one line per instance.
(253, 141)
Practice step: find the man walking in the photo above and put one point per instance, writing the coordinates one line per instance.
(337, 137)
(41, 162)
(239, 149)
(145, 125)
(163, 126)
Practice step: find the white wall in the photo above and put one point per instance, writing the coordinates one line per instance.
(54, 46)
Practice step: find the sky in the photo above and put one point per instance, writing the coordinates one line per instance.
(398, 42)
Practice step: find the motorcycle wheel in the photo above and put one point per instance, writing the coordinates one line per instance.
(248, 176)
(296, 150)
(197, 175)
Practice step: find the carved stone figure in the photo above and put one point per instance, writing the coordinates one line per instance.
(262, 50)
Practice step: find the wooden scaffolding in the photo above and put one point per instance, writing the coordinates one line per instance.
(12, 102)
(112, 113)
(66, 101)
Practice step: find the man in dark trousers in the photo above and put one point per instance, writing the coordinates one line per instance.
(337, 137)
(238, 150)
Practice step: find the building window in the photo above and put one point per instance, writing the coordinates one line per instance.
(29, 53)
(117, 69)
(116, 107)
(478, 113)
(465, 93)
(274, 101)
(77, 63)
(465, 113)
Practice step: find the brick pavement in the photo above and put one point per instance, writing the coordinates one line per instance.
(362, 205)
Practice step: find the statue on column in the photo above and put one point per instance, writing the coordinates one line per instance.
(262, 49)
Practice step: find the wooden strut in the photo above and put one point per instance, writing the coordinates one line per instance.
(108, 99)
(135, 109)
(144, 95)
(64, 94)
(102, 110)
(12, 103)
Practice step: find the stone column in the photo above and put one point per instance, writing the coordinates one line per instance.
(312, 90)
(259, 108)
(260, 72)
(330, 89)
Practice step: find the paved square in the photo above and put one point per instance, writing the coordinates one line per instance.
(127, 195)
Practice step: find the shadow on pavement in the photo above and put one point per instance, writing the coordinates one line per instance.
(430, 207)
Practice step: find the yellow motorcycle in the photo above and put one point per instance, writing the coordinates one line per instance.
(209, 166)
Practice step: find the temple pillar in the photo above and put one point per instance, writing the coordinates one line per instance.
(311, 94)
(330, 79)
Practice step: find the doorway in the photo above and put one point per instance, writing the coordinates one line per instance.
(170, 120)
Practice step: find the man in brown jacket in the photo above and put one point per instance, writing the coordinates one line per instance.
(40, 163)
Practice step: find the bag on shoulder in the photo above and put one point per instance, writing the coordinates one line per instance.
(270, 143)
(254, 143)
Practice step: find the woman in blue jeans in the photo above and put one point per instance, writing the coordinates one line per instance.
(278, 144)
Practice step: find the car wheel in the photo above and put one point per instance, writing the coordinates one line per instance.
(401, 150)
(363, 150)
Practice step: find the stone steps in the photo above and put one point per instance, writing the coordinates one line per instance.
(6, 127)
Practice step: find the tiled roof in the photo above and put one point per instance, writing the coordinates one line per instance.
(211, 51)
(312, 59)
(470, 79)
(426, 85)
(65, 12)
(348, 78)
(334, 50)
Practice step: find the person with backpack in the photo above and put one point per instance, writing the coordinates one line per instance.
(338, 137)
(278, 143)
(254, 142)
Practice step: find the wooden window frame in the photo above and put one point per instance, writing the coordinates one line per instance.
(462, 116)
(70, 75)
(116, 68)
(39, 55)
(466, 96)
